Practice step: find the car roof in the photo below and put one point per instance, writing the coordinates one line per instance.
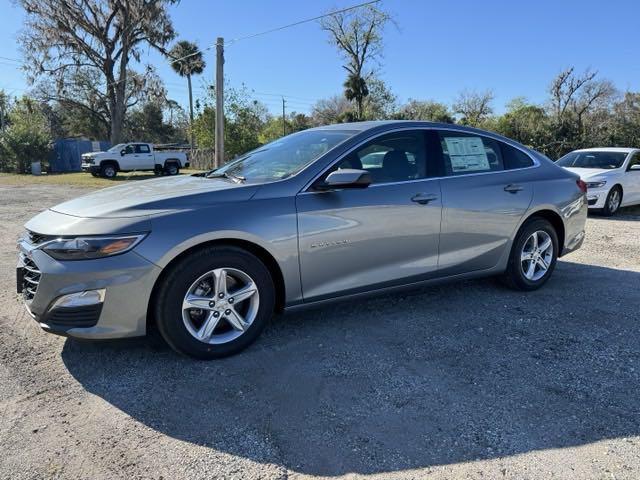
(383, 125)
(362, 126)
(380, 124)
(607, 149)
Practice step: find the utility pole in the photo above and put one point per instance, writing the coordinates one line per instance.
(219, 102)
(284, 119)
(3, 101)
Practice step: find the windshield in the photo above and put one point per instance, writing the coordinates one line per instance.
(284, 157)
(117, 148)
(607, 160)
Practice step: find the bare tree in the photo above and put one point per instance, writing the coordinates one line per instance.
(577, 105)
(330, 110)
(358, 36)
(425, 110)
(87, 45)
(474, 107)
(565, 87)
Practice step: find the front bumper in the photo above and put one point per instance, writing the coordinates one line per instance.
(597, 197)
(126, 282)
(89, 167)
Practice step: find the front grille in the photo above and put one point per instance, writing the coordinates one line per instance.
(31, 278)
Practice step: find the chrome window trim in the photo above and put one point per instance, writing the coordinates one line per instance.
(536, 162)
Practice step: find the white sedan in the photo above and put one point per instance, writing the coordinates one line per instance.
(612, 176)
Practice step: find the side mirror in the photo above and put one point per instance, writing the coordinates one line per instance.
(346, 178)
(122, 152)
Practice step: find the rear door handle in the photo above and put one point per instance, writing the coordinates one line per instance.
(424, 198)
(513, 188)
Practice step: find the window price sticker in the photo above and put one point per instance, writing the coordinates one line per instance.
(467, 154)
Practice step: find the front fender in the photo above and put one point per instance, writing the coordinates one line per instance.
(269, 224)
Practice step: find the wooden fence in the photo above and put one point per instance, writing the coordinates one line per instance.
(202, 158)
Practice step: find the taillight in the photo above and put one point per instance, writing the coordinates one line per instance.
(582, 186)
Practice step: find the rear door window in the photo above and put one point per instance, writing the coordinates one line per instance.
(465, 153)
(142, 148)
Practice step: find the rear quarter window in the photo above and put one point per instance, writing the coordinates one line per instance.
(515, 158)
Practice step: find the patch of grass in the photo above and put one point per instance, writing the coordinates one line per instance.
(79, 179)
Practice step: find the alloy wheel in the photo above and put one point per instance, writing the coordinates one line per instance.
(536, 255)
(614, 200)
(220, 305)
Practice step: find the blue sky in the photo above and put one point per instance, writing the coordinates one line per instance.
(439, 48)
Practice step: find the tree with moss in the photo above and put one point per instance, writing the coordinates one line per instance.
(83, 51)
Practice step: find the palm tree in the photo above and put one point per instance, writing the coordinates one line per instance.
(355, 88)
(186, 60)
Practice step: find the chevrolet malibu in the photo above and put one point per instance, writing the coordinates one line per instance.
(330, 213)
(612, 176)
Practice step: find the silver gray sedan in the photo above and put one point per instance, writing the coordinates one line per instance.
(330, 213)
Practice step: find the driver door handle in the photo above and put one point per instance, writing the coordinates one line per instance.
(424, 198)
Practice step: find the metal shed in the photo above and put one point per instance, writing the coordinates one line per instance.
(66, 153)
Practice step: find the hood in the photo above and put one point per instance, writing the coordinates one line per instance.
(588, 173)
(149, 197)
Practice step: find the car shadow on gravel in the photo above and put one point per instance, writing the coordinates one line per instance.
(448, 374)
(624, 214)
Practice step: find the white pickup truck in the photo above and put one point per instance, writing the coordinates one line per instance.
(127, 157)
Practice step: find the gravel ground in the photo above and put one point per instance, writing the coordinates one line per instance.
(466, 380)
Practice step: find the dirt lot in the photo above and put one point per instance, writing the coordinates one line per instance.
(466, 380)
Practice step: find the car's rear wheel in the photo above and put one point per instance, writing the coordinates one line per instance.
(172, 168)
(215, 302)
(533, 256)
(613, 201)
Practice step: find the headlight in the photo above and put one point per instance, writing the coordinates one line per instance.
(599, 184)
(86, 248)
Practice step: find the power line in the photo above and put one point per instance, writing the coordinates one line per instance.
(17, 67)
(10, 59)
(287, 96)
(300, 22)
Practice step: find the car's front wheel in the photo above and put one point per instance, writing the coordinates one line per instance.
(215, 302)
(108, 170)
(533, 255)
(613, 201)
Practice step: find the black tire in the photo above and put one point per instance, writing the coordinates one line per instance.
(514, 277)
(173, 287)
(609, 209)
(108, 170)
(93, 174)
(172, 168)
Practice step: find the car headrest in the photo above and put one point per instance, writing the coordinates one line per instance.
(396, 164)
